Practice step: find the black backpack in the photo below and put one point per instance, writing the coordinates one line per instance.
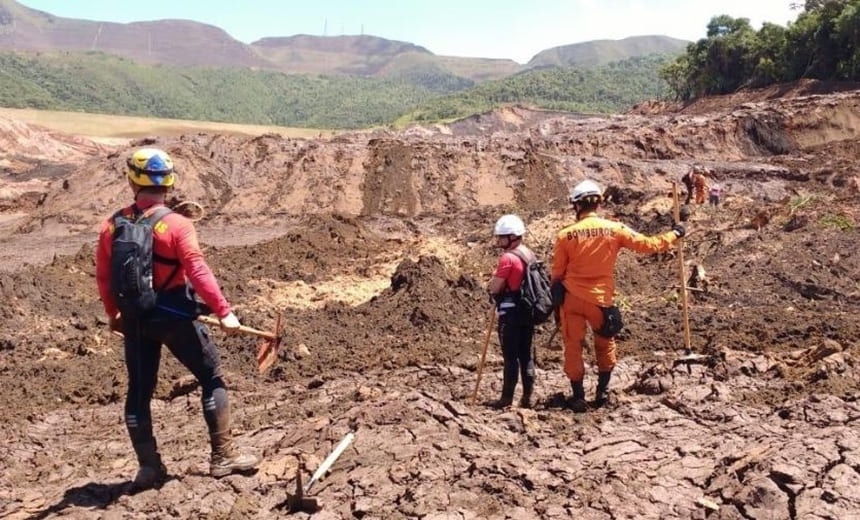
(131, 262)
(535, 293)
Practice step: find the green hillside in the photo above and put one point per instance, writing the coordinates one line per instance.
(609, 88)
(101, 83)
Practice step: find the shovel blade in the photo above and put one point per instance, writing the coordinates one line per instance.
(267, 350)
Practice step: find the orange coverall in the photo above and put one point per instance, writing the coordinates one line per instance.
(700, 183)
(584, 260)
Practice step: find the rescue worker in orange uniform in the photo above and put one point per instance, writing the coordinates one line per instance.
(177, 261)
(515, 329)
(584, 262)
(700, 183)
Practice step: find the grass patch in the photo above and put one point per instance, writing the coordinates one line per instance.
(799, 202)
(840, 222)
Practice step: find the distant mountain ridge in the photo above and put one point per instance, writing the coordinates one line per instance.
(370, 45)
(189, 43)
(601, 52)
(175, 42)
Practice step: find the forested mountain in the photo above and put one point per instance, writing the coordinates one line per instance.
(96, 82)
(614, 87)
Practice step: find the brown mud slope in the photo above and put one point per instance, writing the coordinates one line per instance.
(375, 249)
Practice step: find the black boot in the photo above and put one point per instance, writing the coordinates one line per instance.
(577, 400)
(601, 396)
(151, 472)
(528, 392)
(507, 397)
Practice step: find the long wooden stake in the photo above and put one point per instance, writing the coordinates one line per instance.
(681, 270)
(484, 353)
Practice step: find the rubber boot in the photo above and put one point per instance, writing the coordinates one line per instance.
(601, 396)
(528, 392)
(507, 397)
(151, 472)
(226, 459)
(577, 400)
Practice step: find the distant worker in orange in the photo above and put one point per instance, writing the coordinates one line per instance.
(696, 183)
(700, 183)
(584, 262)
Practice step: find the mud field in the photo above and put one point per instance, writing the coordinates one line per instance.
(376, 246)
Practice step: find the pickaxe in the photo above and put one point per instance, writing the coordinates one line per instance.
(270, 342)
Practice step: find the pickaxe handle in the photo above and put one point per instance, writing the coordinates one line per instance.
(209, 320)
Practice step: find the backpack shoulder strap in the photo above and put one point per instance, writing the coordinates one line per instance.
(523, 257)
(153, 218)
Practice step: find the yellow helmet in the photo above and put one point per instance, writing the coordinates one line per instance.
(151, 167)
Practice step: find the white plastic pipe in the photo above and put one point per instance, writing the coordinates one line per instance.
(327, 463)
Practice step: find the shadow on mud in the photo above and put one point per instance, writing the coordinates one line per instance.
(90, 495)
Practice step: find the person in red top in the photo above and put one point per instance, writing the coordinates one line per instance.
(584, 262)
(177, 261)
(515, 330)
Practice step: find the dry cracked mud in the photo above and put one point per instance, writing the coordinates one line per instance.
(374, 246)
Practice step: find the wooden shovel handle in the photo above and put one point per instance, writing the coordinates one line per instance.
(681, 271)
(484, 354)
(209, 320)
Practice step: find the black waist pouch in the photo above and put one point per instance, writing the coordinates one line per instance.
(612, 323)
(557, 291)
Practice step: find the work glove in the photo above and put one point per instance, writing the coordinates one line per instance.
(115, 323)
(679, 230)
(230, 323)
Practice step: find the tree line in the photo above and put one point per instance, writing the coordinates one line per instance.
(822, 43)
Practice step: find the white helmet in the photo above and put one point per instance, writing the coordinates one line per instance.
(586, 188)
(510, 225)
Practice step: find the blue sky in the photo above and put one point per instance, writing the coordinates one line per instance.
(482, 28)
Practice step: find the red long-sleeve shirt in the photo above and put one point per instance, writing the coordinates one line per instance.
(173, 237)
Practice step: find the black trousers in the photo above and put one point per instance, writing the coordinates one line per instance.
(190, 343)
(515, 337)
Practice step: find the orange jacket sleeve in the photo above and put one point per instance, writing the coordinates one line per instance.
(103, 255)
(645, 244)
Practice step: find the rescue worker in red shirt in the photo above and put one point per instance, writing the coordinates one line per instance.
(177, 261)
(584, 262)
(515, 329)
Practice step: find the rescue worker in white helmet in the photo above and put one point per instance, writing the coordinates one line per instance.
(175, 265)
(515, 329)
(584, 262)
